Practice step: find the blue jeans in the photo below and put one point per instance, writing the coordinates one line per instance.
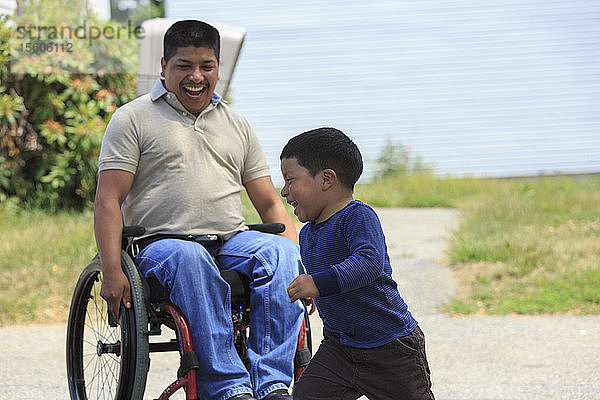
(188, 270)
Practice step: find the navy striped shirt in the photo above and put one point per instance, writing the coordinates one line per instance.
(347, 257)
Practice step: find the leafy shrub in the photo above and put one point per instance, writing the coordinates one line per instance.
(54, 107)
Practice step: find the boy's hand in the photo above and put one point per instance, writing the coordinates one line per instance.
(301, 287)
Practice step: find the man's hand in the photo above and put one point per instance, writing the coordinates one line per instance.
(302, 287)
(115, 289)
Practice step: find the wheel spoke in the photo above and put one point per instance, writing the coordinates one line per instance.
(99, 356)
(91, 359)
(103, 376)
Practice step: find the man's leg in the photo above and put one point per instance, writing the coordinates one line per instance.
(197, 288)
(271, 262)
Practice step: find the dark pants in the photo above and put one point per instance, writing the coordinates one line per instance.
(395, 371)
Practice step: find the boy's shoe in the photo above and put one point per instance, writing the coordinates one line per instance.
(279, 394)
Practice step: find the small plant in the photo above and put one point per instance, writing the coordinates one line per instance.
(395, 159)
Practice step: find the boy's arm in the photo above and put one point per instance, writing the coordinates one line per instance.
(367, 260)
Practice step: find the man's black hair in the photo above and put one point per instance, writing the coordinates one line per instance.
(323, 148)
(190, 33)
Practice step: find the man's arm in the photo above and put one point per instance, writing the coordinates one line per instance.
(113, 186)
(269, 205)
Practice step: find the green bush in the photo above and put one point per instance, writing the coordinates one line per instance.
(54, 106)
(396, 159)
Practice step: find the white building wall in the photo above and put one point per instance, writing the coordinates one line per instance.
(497, 87)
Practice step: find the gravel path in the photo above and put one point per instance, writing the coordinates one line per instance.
(515, 357)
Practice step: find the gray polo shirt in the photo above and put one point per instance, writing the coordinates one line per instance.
(188, 171)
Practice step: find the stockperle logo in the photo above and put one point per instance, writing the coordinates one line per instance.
(82, 47)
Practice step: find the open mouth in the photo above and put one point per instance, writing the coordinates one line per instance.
(293, 203)
(193, 91)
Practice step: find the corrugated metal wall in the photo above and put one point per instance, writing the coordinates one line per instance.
(7, 6)
(499, 88)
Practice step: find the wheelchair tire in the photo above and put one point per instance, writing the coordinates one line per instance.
(104, 361)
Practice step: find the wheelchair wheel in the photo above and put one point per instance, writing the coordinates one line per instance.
(106, 360)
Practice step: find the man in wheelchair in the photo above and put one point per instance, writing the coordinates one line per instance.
(175, 161)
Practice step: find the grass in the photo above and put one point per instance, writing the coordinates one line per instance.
(426, 190)
(524, 246)
(41, 257)
(533, 247)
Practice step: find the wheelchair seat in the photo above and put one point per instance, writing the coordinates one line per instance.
(239, 284)
(240, 288)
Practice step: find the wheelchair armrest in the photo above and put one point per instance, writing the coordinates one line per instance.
(133, 231)
(273, 227)
(130, 232)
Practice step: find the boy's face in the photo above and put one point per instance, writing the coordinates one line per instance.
(192, 74)
(302, 190)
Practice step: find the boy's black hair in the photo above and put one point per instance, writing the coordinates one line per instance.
(323, 148)
(190, 33)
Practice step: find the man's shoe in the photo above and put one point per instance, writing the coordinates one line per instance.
(279, 394)
(244, 396)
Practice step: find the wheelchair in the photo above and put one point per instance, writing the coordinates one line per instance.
(110, 359)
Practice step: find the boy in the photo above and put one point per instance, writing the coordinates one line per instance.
(372, 345)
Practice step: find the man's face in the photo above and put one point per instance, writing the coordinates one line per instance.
(192, 75)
